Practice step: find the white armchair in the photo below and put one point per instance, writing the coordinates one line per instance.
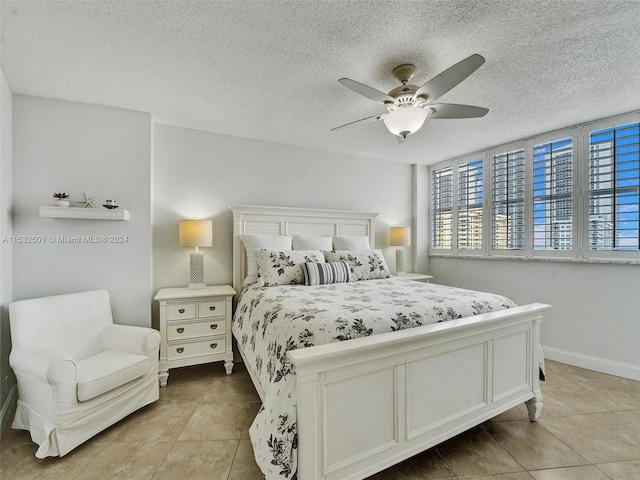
(77, 371)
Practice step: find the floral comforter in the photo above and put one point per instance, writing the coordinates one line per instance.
(269, 321)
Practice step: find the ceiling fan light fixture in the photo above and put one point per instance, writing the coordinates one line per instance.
(408, 106)
(405, 121)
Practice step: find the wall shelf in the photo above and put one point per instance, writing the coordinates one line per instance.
(85, 213)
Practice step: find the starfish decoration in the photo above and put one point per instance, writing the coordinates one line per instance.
(88, 201)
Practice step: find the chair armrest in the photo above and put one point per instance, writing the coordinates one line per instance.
(129, 338)
(36, 362)
(45, 375)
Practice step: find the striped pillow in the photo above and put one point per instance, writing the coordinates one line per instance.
(325, 273)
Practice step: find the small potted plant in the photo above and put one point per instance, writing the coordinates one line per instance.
(61, 199)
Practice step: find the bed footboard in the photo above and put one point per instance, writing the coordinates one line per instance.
(369, 403)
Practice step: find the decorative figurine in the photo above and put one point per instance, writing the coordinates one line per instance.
(88, 201)
(61, 199)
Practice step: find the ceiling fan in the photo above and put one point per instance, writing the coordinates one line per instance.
(408, 106)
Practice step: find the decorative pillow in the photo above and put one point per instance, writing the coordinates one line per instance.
(365, 264)
(284, 267)
(350, 243)
(309, 242)
(264, 242)
(325, 273)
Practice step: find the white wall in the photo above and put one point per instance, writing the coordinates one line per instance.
(198, 174)
(7, 379)
(420, 232)
(75, 148)
(595, 316)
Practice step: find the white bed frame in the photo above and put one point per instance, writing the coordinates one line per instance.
(369, 403)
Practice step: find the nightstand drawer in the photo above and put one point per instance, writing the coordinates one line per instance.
(178, 331)
(176, 311)
(211, 308)
(177, 351)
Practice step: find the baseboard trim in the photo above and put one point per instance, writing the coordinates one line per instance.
(603, 365)
(8, 408)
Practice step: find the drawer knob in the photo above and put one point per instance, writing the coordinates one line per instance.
(213, 326)
(212, 308)
(180, 349)
(180, 330)
(181, 310)
(213, 345)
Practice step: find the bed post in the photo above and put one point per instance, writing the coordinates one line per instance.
(534, 405)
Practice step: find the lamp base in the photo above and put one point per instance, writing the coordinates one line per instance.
(399, 261)
(196, 265)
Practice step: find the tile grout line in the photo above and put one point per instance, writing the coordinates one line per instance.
(563, 442)
(155, 474)
(235, 454)
(444, 460)
(504, 450)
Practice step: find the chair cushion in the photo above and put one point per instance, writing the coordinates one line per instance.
(108, 370)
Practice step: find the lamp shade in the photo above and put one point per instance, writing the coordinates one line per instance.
(400, 236)
(405, 121)
(196, 233)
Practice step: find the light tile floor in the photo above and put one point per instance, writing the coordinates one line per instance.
(589, 430)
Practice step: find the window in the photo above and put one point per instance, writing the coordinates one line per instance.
(470, 205)
(442, 205)
(552, 195)
(614, 196)
(572, 194)
(508, 187)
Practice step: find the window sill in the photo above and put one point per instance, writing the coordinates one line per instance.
(617, 261)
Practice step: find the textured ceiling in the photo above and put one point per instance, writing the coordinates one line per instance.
(268, 70)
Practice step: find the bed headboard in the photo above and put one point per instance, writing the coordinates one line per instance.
(263, 220)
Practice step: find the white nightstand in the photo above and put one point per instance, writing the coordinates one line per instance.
(195, 326)
(418, 277)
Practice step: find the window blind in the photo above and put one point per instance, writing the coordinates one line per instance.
(552, 195)
(470, 205)
(508, 184)
(614, 188)
(442, 201)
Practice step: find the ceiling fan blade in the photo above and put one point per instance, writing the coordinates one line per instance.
(368, 119)
(452, 110)
(402, 139)
(452, 76)
(366, 91)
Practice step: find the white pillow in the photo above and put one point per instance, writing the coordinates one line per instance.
(365, 264)
(261, 242)
(309, 242)
(351, 243)
(284, 267)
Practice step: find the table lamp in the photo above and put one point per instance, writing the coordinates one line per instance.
(400, 237)
(196, 233)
